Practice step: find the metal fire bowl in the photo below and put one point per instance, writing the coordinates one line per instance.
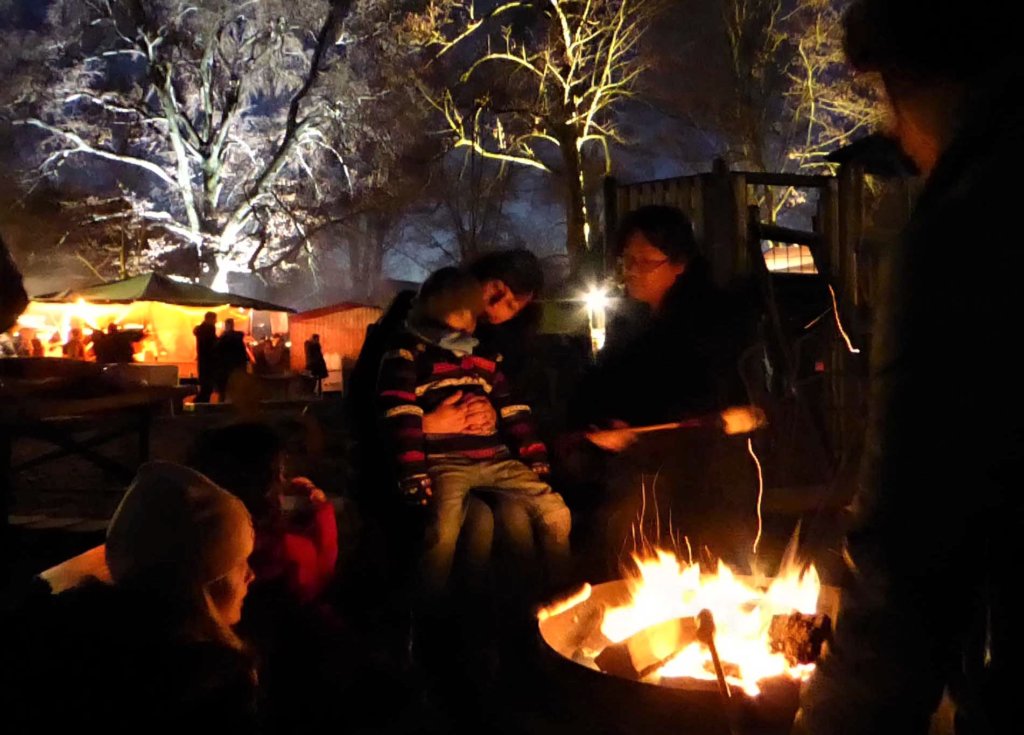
(612, 705)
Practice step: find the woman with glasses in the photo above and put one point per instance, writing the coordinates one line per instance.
(679, 360)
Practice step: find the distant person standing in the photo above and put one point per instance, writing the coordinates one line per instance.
(206, 361)
(276, 355)
(232, 356)
(315, 363)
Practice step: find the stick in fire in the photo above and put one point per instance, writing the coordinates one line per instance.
(706, 635)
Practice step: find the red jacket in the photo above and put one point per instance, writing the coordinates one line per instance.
(300, 549)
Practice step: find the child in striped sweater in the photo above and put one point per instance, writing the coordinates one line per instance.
(436, 357)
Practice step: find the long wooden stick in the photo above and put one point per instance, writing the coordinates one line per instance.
(706, 635)
(737, 419)
(688, 424)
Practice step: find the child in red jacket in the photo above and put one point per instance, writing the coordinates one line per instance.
(296, 529)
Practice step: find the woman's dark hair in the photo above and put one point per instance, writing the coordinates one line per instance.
(244, 459)
(446, 291)
(666, 228)
(924, 39)
(518, 269)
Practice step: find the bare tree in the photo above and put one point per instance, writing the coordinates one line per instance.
(228, 122)
(537, 81)
(830, 106)
(766, 82)
(467, 198)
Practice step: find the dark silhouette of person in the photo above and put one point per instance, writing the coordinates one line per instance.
(206, 361)
(933, 550)
(115, 345)
(13, 299)
(316, 366)
(232, 356)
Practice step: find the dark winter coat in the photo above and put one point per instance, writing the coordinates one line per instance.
(13, 298)
(315, 363)
(941, 513)
(361, 392)
(679, 362)
(231, 352)
(98, 658)
(206, 346)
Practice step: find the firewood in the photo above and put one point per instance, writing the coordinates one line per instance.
(615, 660)
(800, 637)
(641, 653)
(587, 636)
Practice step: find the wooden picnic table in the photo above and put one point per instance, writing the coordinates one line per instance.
(47, 409)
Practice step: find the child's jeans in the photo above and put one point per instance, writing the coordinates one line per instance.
(505, 481)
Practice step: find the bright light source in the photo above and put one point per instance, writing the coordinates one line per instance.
(596, 300)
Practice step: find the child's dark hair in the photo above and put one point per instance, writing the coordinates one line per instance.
(446, 291)
(519, 269)
(244, 459)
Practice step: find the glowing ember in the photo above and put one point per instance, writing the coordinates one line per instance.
(665, 588)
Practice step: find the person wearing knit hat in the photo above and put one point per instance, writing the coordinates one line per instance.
(144, 642)
(174, 529)
(176, 532)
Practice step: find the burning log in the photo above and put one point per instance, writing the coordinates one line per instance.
(800, 638)
(647, 651)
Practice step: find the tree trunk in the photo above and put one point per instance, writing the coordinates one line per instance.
(576, 221)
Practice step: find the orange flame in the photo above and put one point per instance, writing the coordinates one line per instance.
(663, 587)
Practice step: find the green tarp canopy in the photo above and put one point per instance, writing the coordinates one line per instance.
(156, 287)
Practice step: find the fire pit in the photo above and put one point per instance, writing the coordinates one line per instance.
(632, 650)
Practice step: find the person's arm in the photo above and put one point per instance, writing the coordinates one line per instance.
(320, 525)
(402, 421)
(517, 427)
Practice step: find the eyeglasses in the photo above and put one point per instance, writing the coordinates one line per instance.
(640, 265)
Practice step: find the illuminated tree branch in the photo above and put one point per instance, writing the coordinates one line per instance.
(567, 73)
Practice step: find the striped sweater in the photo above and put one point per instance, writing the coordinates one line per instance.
(416, 376)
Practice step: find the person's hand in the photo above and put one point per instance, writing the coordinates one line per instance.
(416, 490)
(474, 415)
(617, 439)
(448, 418)
(303, 487)
(481, 418)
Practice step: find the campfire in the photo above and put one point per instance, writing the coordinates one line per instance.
(648, 626)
